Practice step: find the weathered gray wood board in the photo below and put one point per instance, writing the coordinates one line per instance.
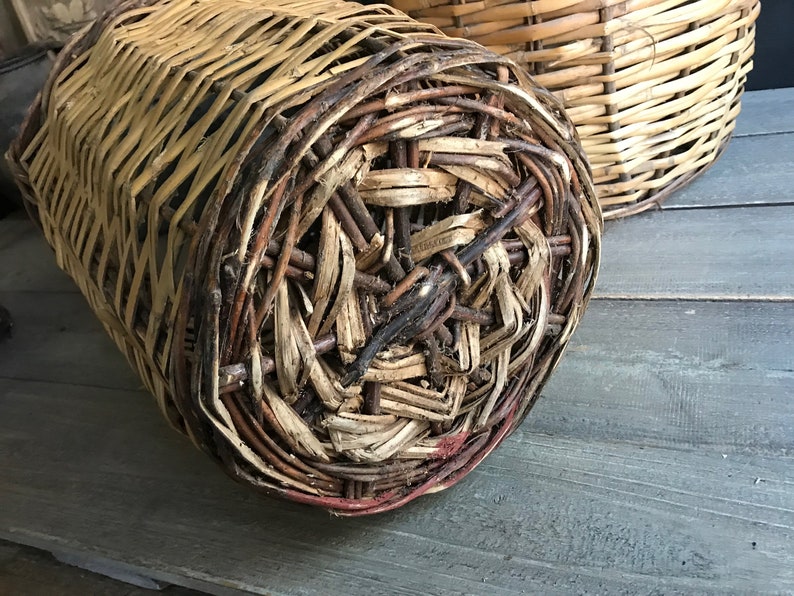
(51, 331)
(661, 373)
(765, 112)
(744, 253)
(29, 572)
(543, 514)
(754, 170)
(30, 267)
(714, 376)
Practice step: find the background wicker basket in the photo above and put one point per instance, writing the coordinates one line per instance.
(344, 252)
(653, 86)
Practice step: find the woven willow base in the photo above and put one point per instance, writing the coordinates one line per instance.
(344, 252)
(653, 86)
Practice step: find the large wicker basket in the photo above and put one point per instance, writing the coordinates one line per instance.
(343, 251)
(653, 86)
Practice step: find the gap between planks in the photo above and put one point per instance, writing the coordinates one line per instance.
(662, 297)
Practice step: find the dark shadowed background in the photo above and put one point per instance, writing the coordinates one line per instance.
(774, 46)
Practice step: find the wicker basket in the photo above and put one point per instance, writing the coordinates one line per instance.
(653, 86)
(344, 252)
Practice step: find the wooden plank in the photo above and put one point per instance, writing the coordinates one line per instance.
(753, 170)
(706, 375)
(705, 254)
(687, 371)
(765, 112)
(12, 228)
(57, 338)
(541, 515)
(26, 570)
(27, 263)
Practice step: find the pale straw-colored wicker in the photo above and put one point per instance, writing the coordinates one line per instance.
(653, 86)
(343, 251)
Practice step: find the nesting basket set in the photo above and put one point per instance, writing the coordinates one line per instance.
(344, 251)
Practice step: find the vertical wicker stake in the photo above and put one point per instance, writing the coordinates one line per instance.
(343, 251)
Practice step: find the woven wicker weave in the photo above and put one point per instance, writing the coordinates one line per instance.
(344, 252)
(653, 86)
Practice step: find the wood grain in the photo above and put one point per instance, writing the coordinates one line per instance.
(765, 112)
(551, 515)
(707, 375)
(57, 338)
(27, 263)
(30, 571)
(706, 254)
(754, 170)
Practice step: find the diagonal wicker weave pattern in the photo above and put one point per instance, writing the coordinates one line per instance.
(653, 86)
(344, 252)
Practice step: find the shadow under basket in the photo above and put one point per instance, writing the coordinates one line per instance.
(653, 86)
(343, 251)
